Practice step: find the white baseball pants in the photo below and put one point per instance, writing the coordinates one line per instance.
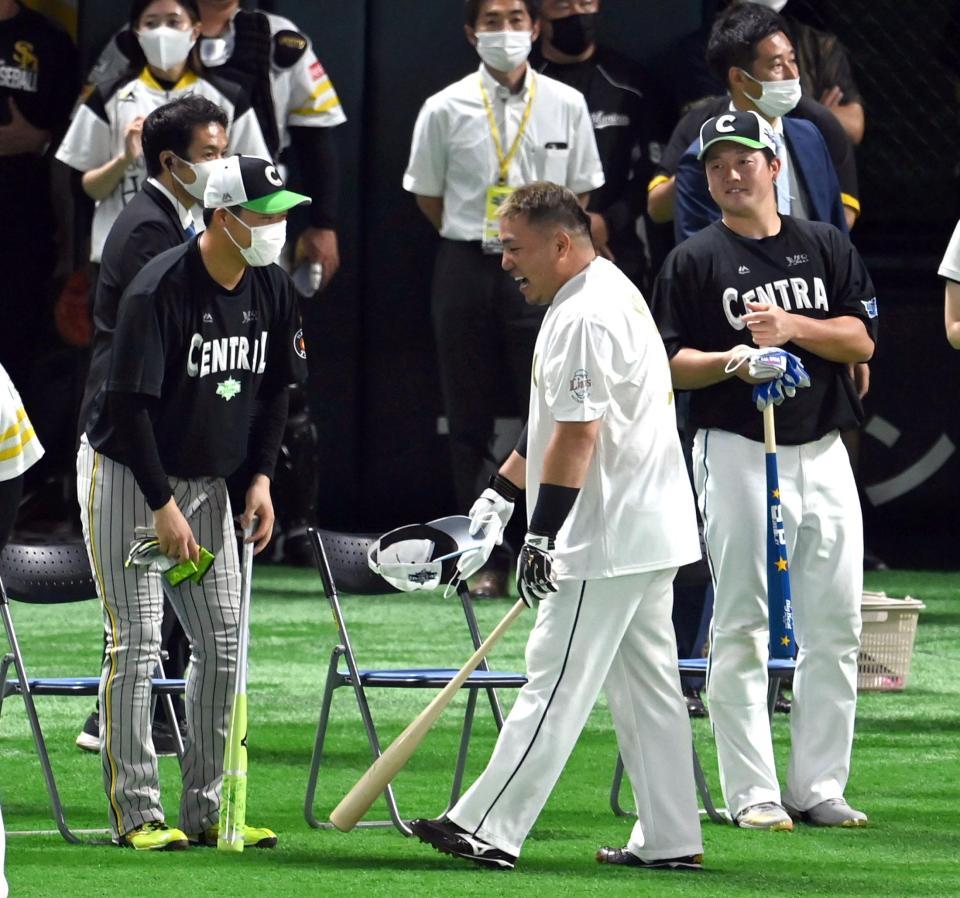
(824, 532)
(614, 633)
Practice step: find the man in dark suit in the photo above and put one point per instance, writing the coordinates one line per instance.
(179, 141)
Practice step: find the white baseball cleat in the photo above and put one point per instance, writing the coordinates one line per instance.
(767, 815)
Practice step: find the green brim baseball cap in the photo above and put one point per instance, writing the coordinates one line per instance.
(250, 182)
(746, 128)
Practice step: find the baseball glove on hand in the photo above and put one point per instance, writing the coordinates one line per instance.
(492, 512)
(535, 576)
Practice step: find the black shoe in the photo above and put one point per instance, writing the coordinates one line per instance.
(89, 737)
(164, 743)
(448, 838)
(782, 704)
(695, 706)
(624, 858)
(489, 584)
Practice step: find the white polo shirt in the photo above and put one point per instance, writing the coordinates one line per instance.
(950, 266)
(19, 446)
(95, 135)
(454, 156)
(599, 355)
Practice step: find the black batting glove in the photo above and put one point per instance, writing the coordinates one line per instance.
(535, 576)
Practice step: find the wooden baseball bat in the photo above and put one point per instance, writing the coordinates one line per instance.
(233, 796)
(779, 606)
(358, 800)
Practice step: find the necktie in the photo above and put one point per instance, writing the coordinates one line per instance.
(783, 179)
(190, 230)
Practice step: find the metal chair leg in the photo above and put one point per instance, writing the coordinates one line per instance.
(464, 747)
(333, 676)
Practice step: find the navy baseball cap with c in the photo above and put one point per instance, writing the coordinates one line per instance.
(250, 182)
(745, 128)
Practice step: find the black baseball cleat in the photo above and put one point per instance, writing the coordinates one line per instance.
(624, 858)
(448, 838)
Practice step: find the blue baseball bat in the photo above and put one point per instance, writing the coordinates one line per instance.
(783, 643)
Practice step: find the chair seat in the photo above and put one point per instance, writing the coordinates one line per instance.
(435, 677)
(697, 667)
(83, 686)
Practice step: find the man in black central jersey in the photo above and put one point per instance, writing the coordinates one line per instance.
(207, 341)
(770, 280)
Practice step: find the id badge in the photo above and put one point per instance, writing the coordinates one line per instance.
(496, 196)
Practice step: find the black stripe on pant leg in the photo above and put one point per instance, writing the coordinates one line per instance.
(546, 710)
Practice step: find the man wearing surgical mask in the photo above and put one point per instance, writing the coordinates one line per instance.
(474, 142)
(627, 124)
(181, 142)
(207, 341)
(750, 48)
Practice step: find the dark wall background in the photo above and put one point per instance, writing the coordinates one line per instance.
(374, 387)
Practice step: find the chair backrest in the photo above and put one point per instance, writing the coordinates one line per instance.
(47, 574)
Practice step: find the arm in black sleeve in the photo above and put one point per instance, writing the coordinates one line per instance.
(320, 171)
(131, 417)
(267, 431)
(521, 447)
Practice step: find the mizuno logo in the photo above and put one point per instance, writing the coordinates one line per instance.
(743, 270)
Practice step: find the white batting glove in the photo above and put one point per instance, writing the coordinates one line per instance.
(490, 513)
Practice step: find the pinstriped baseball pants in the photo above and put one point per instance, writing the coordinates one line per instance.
(111, 506)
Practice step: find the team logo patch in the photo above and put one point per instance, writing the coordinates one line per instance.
(228, 388)
(603, 120)
(421, 577)
(249, 315)
(743, 270)
(316, 70)
(797, 259)
(871, 306)
(299, 344)
(580, 385)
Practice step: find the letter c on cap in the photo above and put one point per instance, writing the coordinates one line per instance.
(273, 176)
(725, 124)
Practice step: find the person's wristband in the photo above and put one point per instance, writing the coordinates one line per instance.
(554, 503)
(503, 487)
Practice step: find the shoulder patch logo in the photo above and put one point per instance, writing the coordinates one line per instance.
(580, 385)
(743, 270)
(299, 344)
(228, 388)
(871, 307)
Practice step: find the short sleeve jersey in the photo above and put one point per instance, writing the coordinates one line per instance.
(453, 154)
(204, 354)
(19, 446)
(950, 266)
(96, 134)
(809, 268)
(598, 355)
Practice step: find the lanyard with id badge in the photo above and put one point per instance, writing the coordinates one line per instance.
(498, 193)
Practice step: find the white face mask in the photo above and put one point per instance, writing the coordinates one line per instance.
(202, 170)
(266, 242)
(504, 50)
(166, 47)
(776, 98)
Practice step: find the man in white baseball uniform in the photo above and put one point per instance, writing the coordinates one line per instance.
(611, 519)
(775, 280)
(950, 272)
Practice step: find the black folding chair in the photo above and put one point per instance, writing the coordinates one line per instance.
(342, 559)
(777, 670)
(48, 575)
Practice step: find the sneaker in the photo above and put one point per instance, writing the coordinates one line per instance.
(155, 836)
(624, 858)
(448, 838)
(832, 812)
(89, 737)
(766, 815)
(253, 837)
(695, 706)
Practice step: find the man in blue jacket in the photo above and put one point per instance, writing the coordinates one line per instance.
(750, 49)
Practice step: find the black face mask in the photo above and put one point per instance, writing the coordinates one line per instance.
(573, 34)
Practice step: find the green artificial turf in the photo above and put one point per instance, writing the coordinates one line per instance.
(905, 773)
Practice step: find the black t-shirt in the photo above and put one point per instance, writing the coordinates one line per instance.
(38, 71)
(204, 353)
(839, 146)
(629, 129)
(810, 269)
